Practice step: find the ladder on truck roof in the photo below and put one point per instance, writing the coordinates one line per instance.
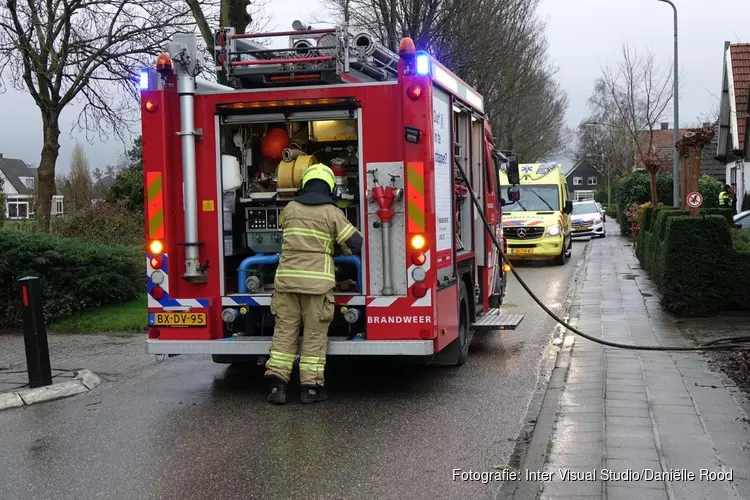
(312, 57)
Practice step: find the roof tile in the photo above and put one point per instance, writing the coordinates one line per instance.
(740, 54)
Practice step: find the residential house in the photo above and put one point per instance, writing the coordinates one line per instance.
(18, 184)
(734, 118)
(583, 180)
(663, 146)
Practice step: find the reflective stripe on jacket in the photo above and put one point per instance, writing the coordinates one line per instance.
(725, 199)
(310, 233)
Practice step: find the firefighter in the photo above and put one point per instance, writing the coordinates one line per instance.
(312, 225)
(726, 198)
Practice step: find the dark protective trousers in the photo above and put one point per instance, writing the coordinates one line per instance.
(292, 310)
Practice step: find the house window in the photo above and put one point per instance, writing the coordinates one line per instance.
(577, 181)
(593, 181)
(58, 206)
(583, 195)
(29, 181)
(18, 209)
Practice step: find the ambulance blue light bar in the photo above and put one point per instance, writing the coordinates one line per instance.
(144, 80)
(423, 64)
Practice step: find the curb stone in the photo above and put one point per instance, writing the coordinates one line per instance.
(557, 360)
(84, 381)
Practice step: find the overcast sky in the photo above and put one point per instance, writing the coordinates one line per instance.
(583, 35)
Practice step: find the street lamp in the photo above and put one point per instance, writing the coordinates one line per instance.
(675, 158)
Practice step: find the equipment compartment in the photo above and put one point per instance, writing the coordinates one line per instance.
(272, 158)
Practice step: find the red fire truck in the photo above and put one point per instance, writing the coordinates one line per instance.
(220, 163)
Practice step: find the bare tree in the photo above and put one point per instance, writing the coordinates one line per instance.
(605, 141)
(636, 93)
(77, 186)
(89, 50)
(497, 46)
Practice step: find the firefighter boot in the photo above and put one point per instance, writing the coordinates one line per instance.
(312, 394)
(277, 395)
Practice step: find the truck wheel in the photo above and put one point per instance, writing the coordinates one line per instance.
(560, 259)
(464, 318)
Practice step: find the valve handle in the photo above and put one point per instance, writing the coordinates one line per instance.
(374, 179)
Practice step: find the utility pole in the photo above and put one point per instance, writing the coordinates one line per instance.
(395, 41)
(676, 157)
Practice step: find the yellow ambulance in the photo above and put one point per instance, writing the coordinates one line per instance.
(536, 214)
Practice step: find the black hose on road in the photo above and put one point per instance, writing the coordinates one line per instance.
(714, 345)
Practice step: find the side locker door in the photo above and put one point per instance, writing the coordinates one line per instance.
(478, 176)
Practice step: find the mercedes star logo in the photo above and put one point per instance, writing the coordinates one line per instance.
(522, 233)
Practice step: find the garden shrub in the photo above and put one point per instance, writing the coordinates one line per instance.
(660, 225)
(636, 188)
(724, 212)
(709, 188)
(697, 260)
(635, 218)
(741, 240)
(75, 276)
(612, 212)
(105, 223)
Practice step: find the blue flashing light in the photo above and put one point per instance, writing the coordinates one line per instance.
(144, 80)
(423, 64)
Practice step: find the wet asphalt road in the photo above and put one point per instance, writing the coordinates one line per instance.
(190, 429)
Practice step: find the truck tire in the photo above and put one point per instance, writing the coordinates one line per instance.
(464, 320)
(561, 259)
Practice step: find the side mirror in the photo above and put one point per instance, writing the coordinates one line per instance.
(514, 174)
(514, 194)
(568, 209)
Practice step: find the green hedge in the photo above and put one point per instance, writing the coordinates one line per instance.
(75, 276)
(741, 240)
(611, 212)
(660, 225)
(724, 212)
(635, 188)
(699, 264)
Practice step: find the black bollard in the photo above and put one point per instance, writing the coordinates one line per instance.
(35, 333)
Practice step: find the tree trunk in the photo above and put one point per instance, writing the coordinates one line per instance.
(690, 164)
(654, 192)
(46, 182)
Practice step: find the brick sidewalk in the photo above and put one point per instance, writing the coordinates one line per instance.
(623, 409)
(107, 356)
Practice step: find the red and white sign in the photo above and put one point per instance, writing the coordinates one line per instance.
(694, 200)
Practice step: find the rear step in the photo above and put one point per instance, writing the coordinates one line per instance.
(262, 345)
(495, 320)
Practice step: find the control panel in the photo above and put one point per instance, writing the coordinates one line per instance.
(263, 227)
(262, 218)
